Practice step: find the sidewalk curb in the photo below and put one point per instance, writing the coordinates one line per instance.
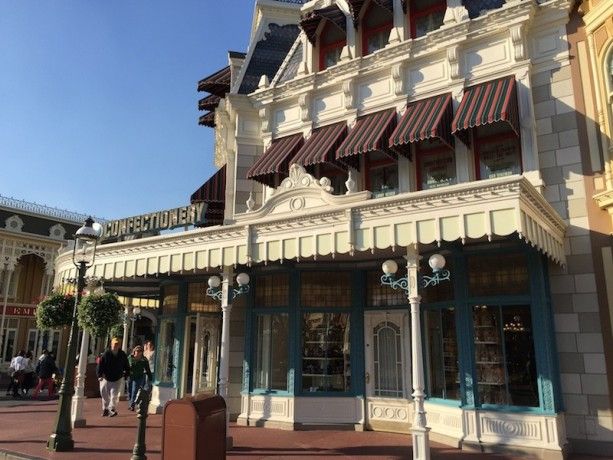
(8, 455)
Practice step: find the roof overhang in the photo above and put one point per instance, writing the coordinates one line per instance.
(304, 220)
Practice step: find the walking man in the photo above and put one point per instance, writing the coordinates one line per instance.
(113, 365)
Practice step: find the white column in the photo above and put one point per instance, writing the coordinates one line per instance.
(197, 358)
(419, 430)
(224, 360)
(124, 342)
(8, 273)
(76, 414)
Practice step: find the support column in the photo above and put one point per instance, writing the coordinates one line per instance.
(419, 430)
(224, 359)
(76, 414)
(197, 357)
(124, 342)
(8, 273)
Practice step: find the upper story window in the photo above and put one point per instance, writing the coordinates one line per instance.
(331, 42)
(497, 151)
(377, 25)
(381, 174)
(426, 16)
(435, 164)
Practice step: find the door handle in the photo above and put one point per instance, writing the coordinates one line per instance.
(367, 378)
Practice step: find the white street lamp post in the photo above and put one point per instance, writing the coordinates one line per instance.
(419, 429)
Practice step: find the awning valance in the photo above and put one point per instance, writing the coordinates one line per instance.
(321, 146)
(426, 119)
(310, 23)
(490, 102)
(370, 133)
(273, 165)
(328, 224)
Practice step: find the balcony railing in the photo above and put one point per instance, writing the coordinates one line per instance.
(48, 211)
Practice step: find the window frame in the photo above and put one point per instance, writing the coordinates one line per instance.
(368, 32)
(371, 165)
(480, 141)
(327, 47)
(414, 14)
(419, 152)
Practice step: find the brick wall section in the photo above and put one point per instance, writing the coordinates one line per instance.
(573, 288)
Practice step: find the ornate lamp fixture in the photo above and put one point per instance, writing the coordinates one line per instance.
(214, 282)
(437, 264)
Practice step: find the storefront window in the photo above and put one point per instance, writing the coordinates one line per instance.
(271, 352)
(166, 351)
(198, 301)
(442, 354)
(504, 355)
(326, 365)
(325, 289)
(497, 274)
(378, 295)
(170, 303)
(272, 291)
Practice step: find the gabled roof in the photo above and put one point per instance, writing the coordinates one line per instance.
(217, 83)
(268, 55)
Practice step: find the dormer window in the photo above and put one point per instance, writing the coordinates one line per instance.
(377, 25)
(332, 40)
(426, 16)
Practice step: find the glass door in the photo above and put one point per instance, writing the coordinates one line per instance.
(206, 353)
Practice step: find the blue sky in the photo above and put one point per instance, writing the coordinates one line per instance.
(98, 100)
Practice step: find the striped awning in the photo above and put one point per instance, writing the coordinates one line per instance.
(370, 133)
(273, 165)
(321, 146)
(490, 102)
(426, 119)
(213, 192)
(217, 83)
(310, 23)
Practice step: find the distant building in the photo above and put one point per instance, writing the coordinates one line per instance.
(31, 236)
(355, 131)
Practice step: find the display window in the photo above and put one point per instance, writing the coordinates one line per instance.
(376, 28)
(426, 16)
(331, 43)
(435, 165)
(326, 365)
(198, 301)
(165, 351)
(271, 352)
(170, 301)
(441, 350)
(504, 356)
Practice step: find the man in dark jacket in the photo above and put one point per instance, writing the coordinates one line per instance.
(45, 369)
(112, 367)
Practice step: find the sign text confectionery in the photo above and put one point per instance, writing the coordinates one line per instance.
(158, 220)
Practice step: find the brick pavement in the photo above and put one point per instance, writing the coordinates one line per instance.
(25, 426)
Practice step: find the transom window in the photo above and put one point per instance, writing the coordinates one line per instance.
(325, 289)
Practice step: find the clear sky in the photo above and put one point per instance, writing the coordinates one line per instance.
(98, 100)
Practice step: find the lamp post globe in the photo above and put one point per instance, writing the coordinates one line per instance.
(389, 267)
(214, 282)
(436, 262)
(83, 257)
(242, 279)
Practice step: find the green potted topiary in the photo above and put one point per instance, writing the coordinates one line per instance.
(55, 311)
(99, 313)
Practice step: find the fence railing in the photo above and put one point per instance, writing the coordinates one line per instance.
(35, 208)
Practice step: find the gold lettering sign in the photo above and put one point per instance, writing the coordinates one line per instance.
(159, 220)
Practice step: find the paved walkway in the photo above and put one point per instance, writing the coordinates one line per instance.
(25, 426)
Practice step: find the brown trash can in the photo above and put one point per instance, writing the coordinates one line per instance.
(194, 428)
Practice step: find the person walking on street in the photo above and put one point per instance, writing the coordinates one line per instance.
(16, 369)
(139, 370)
(113, 365)
(45, 368)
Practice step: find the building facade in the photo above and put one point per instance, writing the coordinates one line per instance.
(352, 132)
(30, 238)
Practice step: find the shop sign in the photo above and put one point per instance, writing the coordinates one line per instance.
(155, 221)
(20, 310)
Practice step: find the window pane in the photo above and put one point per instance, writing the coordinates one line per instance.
(498, 158)
(272, 348)
(165, 367)
(198, 301)
(332, 56)
(378, 295)
(388, 360)
(384, 180)
(325, 352)
(436, 169)
(520, 359)
(170, 302)
(504, 354)
(442, 354)
(325, 289)
(377, 41)
(272, 291)
(497, 274)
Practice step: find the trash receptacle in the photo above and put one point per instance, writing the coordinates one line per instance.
(194, 428)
